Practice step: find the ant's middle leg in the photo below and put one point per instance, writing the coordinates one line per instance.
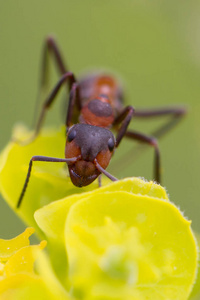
(74, 102)
(64, 79)
(125, 118)
(151, 141)
(175, 115)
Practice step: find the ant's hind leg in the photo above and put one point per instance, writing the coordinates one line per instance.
(50, 50)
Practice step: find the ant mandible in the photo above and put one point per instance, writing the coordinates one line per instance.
(95, 105)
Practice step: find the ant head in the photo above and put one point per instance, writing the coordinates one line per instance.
(98, 112)
(90, 143)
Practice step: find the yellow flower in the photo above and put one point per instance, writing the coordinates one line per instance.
(125, 240)
(18, 278)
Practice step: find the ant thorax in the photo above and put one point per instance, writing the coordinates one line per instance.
(98, 112)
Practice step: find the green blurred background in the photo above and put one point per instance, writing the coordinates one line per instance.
(154, 46)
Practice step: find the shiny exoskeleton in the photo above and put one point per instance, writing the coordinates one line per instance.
(94, 107)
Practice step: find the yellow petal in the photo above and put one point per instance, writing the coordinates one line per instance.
(9, 247)
(19, 279)
(23, 260)
(129, 236)
(148, 251)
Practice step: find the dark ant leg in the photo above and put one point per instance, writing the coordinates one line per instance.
(176, 114)
(102, 170)
(50, 48)
(152, 142)
(65, 78)
(125, 117)
(99, 181)
(74, 99)
(41, 158)
(157, 112)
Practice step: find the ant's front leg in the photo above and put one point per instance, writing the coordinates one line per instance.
(124, 119)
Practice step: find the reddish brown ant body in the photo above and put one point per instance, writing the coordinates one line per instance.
(95, 106)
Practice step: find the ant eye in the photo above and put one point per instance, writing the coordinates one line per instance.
(111, 144)
(71, 135)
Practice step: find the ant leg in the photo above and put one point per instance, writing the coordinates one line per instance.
(176, 114)
(152, 142)
(65, 78)
(74, 99)
(125, 117)
(99, 181)
(41, 158)
(50, 48)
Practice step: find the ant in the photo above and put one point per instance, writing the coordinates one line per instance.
(95, 106)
